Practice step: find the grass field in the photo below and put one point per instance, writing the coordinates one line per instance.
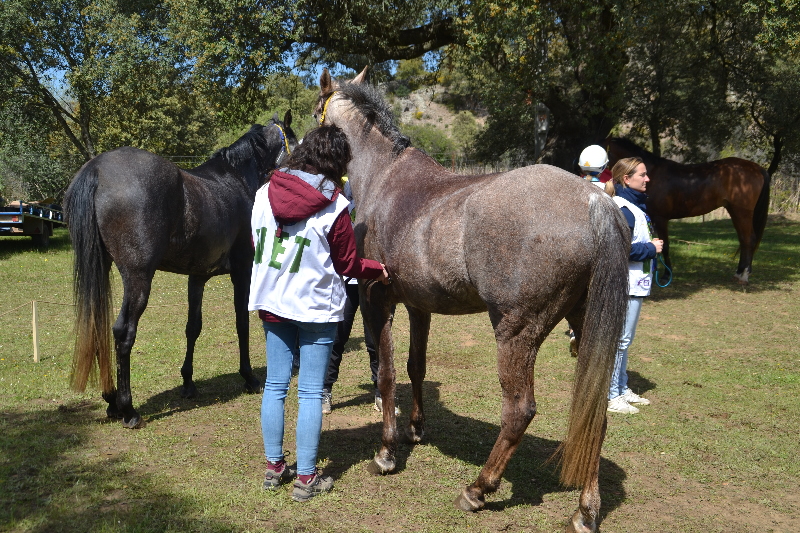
(716, 451)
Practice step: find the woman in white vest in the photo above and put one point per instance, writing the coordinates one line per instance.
(304, 245)
(630, 180)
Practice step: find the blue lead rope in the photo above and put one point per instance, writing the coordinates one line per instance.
(666, 270)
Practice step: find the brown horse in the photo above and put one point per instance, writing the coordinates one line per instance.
(531, 246)
(678, 191)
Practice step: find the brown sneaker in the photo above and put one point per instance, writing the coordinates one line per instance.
(302, 492)
(273, 479)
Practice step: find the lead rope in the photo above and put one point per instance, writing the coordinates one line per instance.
(659, 258)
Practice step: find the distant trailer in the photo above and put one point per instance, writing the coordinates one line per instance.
(30, 219)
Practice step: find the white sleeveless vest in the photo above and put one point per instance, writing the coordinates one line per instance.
(293, 275)
(640, 274)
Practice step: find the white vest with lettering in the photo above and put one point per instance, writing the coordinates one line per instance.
(293, 276)
(640, 274)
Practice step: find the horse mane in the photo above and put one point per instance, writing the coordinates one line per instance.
(377, 112)
(251, 144)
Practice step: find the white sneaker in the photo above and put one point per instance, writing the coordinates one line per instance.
(619, 405)
(632, 397)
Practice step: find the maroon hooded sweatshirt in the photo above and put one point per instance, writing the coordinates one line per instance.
(293, 200)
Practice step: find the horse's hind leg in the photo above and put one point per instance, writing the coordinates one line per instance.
(136, 293)
(515, 359)
(194, 324)
(240, 277)
(585, 518)
(743, 223)
(420, 325)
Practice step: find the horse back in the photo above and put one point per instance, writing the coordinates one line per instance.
(457, 243)
(678, 190)
(156, 216)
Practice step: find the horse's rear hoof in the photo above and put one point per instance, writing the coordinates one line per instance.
(189, 391)
(380, 467)
(135, 422)
(411, 436)
(577, 525)
(466, 503)
(253, 386)
(113, 412)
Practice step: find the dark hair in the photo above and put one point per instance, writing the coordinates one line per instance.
(324, 150)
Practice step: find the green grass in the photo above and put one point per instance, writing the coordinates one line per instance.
(715, 452)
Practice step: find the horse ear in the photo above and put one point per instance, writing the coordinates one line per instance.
(325, 85)
(275, 117)
(287, 118)
(362, 76)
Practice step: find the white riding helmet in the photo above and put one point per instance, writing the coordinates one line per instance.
(593, 159)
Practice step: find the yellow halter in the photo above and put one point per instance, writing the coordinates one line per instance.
(325, 109)
(285, 139)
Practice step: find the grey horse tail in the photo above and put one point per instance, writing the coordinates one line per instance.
(90, 284)
(606, 305)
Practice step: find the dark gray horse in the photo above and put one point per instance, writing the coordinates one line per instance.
(144, 213)
(531, 246)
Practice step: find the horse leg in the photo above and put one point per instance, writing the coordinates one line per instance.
(136, 292)
(420, 325)
(240, 277)
(516, 356)
(378, 317)
(743, 224)
(194, 324)
(585, 518)
(662, 231)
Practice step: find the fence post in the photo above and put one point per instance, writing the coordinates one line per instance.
(35, 324)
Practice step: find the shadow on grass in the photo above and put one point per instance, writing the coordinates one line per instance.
(468, 440)
(219, 389)
(10, 246)
(52, 480)
(709, 262)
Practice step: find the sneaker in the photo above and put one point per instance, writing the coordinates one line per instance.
(302, 492)
(619, 405)
(573, 346)
(379, 404)
(326, 402)
(273, 478)
(632, 397)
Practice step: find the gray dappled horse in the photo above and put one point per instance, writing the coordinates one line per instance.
(531, 246)
(144, 213)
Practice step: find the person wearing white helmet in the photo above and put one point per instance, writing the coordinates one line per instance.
(593, 163)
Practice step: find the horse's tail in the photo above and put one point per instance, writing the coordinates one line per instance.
(606, 305)
(90, 285)
(761, 209)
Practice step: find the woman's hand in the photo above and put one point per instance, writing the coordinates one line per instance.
(384, 277)
(659, 244)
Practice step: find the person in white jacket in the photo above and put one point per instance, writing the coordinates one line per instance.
(304, 246)
(630, 181)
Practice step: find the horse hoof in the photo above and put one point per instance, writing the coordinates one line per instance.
(411, 436)
(577, 525)
(135, 422)
(380, 467)
(113, 412)
(465, 503)
(253, 386)
(189, 391)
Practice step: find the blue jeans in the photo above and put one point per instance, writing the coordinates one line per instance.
(315, 340)
(619, 378)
